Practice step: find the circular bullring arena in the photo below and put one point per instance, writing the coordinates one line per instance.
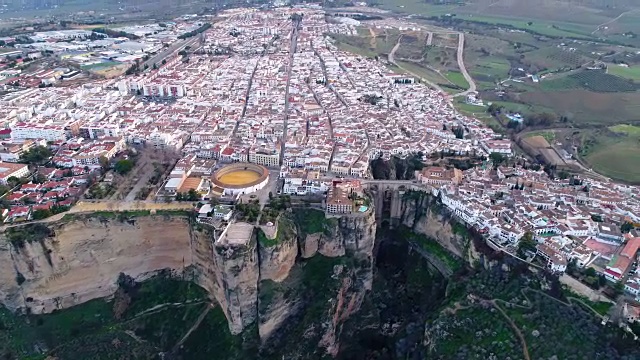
(239, 179)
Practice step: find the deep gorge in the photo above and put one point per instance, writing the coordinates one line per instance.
(345, 287)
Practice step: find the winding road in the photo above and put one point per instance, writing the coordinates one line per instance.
(463, 69)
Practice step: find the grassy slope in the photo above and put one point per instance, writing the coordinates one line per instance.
(90, 331)
(632, 73)
(616, 153)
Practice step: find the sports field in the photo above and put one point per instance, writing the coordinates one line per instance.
(239, 177)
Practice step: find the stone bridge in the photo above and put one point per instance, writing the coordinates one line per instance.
(387, 196)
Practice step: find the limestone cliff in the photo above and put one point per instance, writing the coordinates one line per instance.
(350, 240)
(228, 269)
(256, 276)
(279, 251)
(352, 235)
(421, 213)
(81, 259)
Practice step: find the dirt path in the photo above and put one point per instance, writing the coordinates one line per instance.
(523, 341)
(374, 41)
(392, 61)
(195, 325)
(612, 20)
(393, 51)
(463, 69)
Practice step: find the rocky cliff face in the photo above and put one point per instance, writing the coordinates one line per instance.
(255, 279)
(278, 254)
(82, 259)
(348, 235)
(349, 240)
(422, 214)
(229, 271)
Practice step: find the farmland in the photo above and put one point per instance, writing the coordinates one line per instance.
(593, 80)
(617, 159)
(599, 81)
(456, 78)
(586, 108)
(631, 73)
(613, 151)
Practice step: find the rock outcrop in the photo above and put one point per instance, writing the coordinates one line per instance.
(229, 271)
(79, 259)
(422, 214)
(352, 235)
(278, 254)
(84, 256)
(238, 273)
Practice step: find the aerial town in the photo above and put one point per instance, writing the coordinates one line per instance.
(263, 102)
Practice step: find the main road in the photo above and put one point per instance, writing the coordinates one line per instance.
(292, 51)
(173, 48)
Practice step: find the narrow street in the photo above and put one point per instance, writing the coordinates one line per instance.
(292, 51)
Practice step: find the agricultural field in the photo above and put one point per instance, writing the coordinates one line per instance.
(586, 108)
(631, 72)
(592, 80)
(457, 79)
(599, 81)
(550, 18)
(478, 112)
(614, 152)
(423, 72)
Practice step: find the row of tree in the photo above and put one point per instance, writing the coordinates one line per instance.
(195, 32)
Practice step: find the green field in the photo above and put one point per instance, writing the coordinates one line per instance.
(548, 135)
(478, 112)
(614, 152)
(593, 80)
(456, 78)
(631, 73)
(629, 130)
(617, 159)
(487, 70)
(587, 108)
(362, 51)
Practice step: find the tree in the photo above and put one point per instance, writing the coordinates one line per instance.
(494, 109)
(496, 158)
(123, 166)
(41, 214)
(526, 243)
(626, 227)
(36, 156)
(39, 179)
(192, 195)
(104, 163)
(13, 181)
